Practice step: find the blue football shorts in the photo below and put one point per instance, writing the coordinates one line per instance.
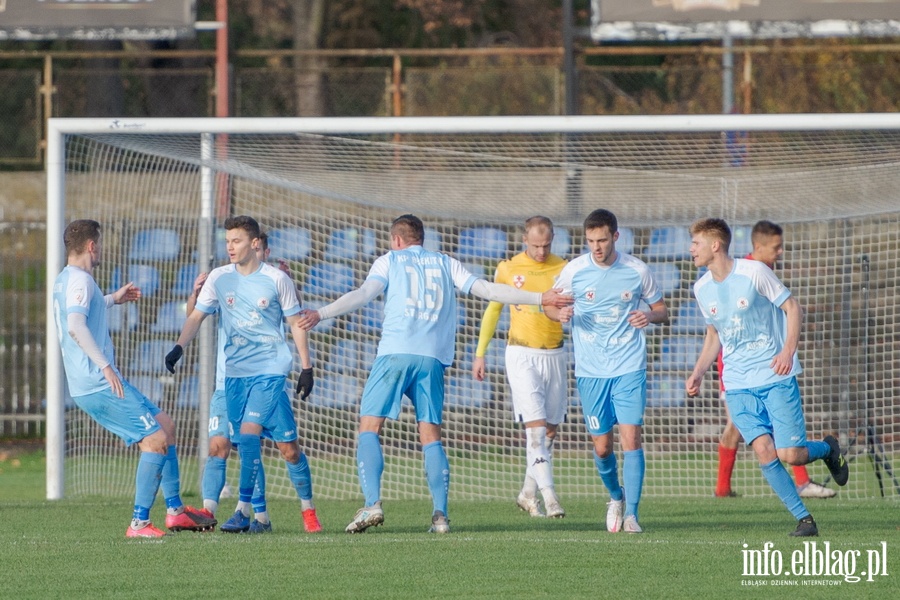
(607, 401)
(218, 415)
(263, 400)
(420, 378)
(132, 418)
(773, 409)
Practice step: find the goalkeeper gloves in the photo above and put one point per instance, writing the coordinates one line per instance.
(305, 383)
(173, 357)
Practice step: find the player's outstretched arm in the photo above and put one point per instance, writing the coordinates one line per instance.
(301, 342)
(349, 302)
(708, 355)
(127, 293)
(188, 333)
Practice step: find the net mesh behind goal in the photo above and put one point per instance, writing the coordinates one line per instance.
(326, 202)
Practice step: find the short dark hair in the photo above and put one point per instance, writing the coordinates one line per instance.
(263, 241)
(601, 218)
(410, 229)
(717, 228)
(244, 222)
(78, 233)
(765, 229)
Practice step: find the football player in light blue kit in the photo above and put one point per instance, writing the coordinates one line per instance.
(418, 339)
(752, 317)
(97, 386)
(611, 357)
(253, 299)
(213, 481)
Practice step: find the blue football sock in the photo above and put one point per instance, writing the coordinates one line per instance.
(370, 465)
(171, 480)
(633, 468)
(817, 450)
(147, 478)
(437, 471)
(259, 491)
(213, 478)
(251, 457)
(784, 487)
(301, 477)
(609, 474)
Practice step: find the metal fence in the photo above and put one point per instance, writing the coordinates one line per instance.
(810, 77)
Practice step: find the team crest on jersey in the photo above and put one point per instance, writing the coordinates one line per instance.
(519, 281)
(262, 303)
(589, 295)
(626, 296)
(229, 300)
(743, 303)
(79, 296)
(713, 309)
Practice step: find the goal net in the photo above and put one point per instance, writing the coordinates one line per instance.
(326, 190)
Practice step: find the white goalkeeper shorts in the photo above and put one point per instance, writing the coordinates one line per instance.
(539, 383)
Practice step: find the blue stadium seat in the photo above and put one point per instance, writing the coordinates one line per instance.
(688, 320)
(482, 243)
(184, 280)
(369, 242)
(464, 392)
(679, 353)
(625, 243)
(367, 320)
(494, 358)
(503, 323)
(161, 243)
(667, 276)
(151, 356)
(477, 270)
(146, 277)
(343, 244)
(432, 239)
(664, 391)
(562, 242)
(334, 390)
(188, 393)
(149, 386)
(220, 246)
(122, 317)
(353, 357)
(171, 317)
(290, 243)
(669, 243)
(329, 279)
(741, 244)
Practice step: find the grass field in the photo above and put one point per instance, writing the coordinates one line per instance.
(691, 548)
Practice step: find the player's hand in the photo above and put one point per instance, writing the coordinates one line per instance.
(556, 297)
(782, 363)
(198, 283)
(285, 268)
(309, 319)
(478, 368)
(305, 383)
(173, 357)
(692, 386)
(114, 382)
(127, 293)
(638, 319)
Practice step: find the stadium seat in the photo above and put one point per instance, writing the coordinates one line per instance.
(482, 243)
(122, 317)
(477, 270)
(188, 393)
(184, 280)
(464, 392)
(290, 243)
(151, 356)
(664, 391)
(343, 244)
(221, 247)
(505, 316)
(146, 277)
(369, 243)
(352, 357)
(688, 320)
(494, 358)
(625, 243)
(161, 243)
(329, 279)
(562, 242)
(741, 242)
(667, 276)
(669, 243)
(171, 317)
(334, 390)
(432, 239)
(149, 386)
(679, 353)
(367, 320)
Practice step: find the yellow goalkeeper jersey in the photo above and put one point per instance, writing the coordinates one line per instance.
(528, 326)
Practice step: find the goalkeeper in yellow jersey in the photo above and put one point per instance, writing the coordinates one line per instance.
(535, 363)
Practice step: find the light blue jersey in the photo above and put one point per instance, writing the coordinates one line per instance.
(420, 302)
(75, 291)
(606, 345)
(252, 308)
(744, 309)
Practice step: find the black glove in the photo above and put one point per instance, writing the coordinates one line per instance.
(173, 357)
(305, 383)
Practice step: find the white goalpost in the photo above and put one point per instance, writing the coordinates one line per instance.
(325, 191)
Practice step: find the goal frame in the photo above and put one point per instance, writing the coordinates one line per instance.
(59, 128)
